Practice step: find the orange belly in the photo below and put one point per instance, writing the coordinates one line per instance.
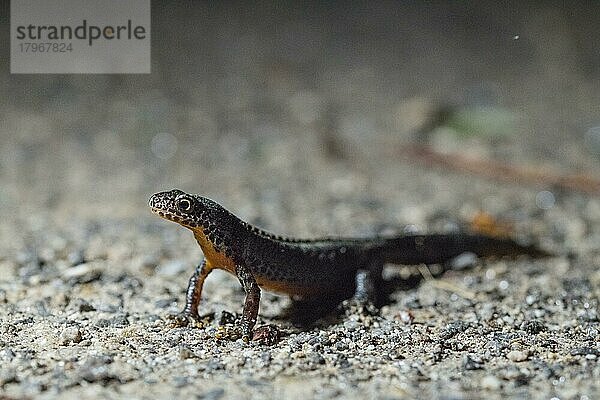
(286, 287)
(217, 259)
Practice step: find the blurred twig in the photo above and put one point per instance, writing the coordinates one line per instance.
(504, 172)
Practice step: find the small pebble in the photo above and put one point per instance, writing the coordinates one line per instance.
(186, 353)
(180, 381)
(517, 355)
(70, 334)
(463, 261)
(490, 382)
(406, 316)
(82, 273)
(533, 326)
(584, 351)
(472, 363)
(118, 321)
(213, 394)
(7, 354)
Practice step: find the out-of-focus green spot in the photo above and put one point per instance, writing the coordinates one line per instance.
(483, 121)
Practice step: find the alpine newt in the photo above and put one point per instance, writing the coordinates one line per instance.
(305, 269)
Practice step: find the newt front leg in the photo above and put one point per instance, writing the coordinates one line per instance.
(252, 301)
(193, 295)
(267, 334)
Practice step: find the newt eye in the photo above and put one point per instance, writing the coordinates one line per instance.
(184, 205)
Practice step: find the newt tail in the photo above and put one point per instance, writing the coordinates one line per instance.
(327, 268)
(440, 248)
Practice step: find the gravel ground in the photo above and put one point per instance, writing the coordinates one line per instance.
(84, 312)
(302, 141)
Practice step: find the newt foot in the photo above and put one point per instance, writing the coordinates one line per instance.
(184, 319)
(266, 334)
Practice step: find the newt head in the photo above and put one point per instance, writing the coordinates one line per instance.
(201, 216)
(177, 206)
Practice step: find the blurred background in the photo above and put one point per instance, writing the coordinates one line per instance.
(276, 110)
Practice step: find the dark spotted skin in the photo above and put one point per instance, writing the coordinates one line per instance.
(306, 269)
